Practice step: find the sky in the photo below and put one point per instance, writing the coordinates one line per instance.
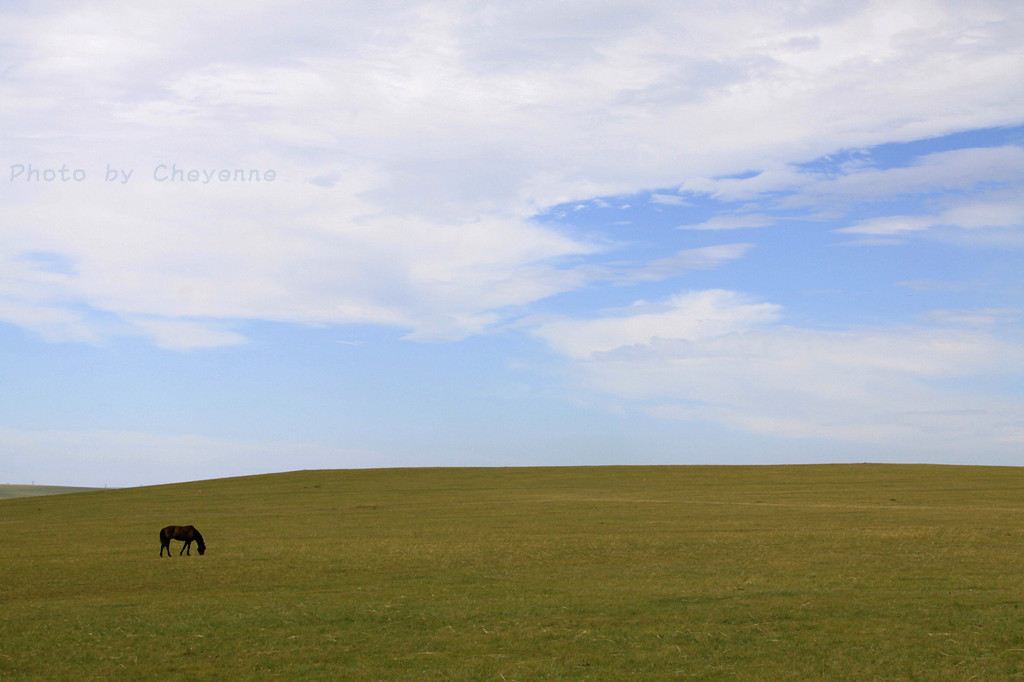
(242, 238)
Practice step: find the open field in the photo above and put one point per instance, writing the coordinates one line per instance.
(8, 491)
(833, 572)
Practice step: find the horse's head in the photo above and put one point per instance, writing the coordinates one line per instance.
(200, 542)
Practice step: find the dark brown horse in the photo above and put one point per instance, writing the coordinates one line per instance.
(185, 533)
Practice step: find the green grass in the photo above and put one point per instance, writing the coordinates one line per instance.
(9, 491)
(837, 572)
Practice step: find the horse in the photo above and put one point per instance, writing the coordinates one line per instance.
(185, 533)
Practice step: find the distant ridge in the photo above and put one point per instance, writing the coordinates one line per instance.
(9, 491)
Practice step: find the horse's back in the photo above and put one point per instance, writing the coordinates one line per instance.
(178, 532)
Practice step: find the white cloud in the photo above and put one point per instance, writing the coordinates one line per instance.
(868, 385)
(714, 356)
(285, 253)
(669, 199)
(928, 285)
(442, 130)
(660, 269)
(972, 317)
(973, 188)
(732, 222)
(771, 177)
(985, 212)
(185, 335)
(964, 171)
(689, 316)
(890, 225)
(702, 258)
(871, 241)
(961, 169)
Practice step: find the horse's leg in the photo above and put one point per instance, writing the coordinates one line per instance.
(185, 547)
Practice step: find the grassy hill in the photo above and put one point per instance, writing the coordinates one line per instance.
(9, 491)
(837, 572)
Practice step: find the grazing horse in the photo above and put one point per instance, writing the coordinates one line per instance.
(185, 533)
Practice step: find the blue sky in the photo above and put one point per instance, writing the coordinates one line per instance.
(498, 234)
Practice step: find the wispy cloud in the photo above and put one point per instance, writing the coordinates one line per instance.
(688, 316)
(714, 356)
(973, 317)
(973, 189)
(976, 213)
(890, 225)
(732, 222)
(176, 334)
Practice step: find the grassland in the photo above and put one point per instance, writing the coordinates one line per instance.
(9, 491)
(839, 572)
